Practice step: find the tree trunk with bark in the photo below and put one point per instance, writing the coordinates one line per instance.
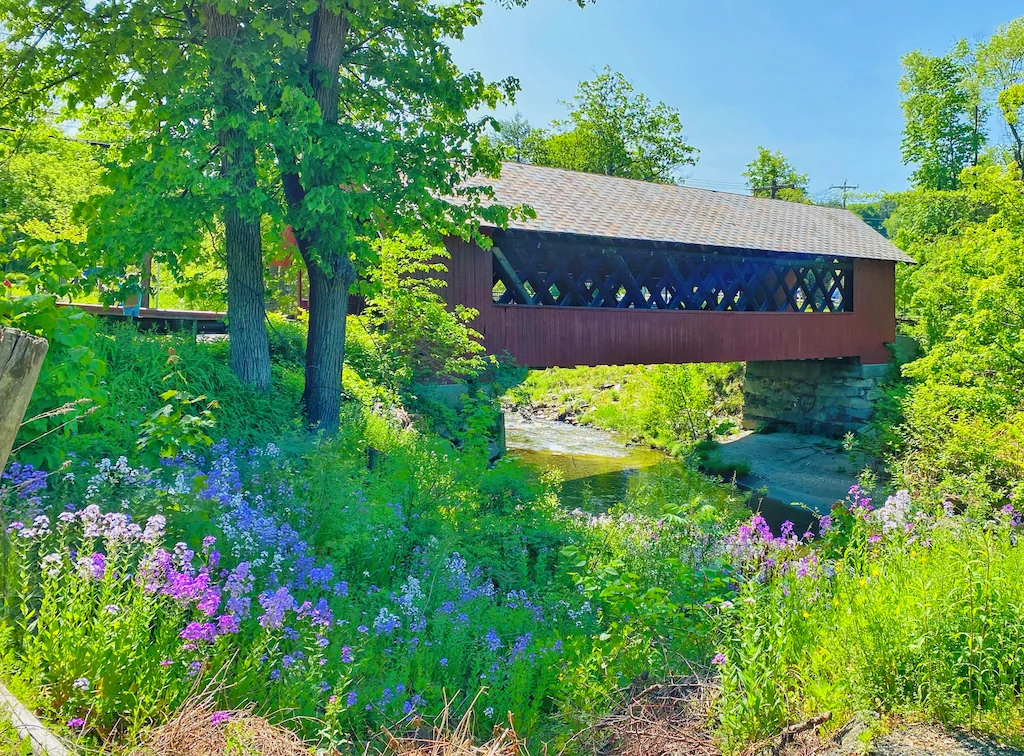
(249, 345)
(331, 272)
(21, 357)
(325, 345)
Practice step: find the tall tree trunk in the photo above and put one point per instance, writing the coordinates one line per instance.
(249, 345)
(325, 345)
(331, 272)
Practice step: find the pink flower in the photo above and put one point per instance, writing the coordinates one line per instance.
(76, 724)
(719, 659)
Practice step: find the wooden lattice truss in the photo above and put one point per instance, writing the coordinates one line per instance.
(537, 271)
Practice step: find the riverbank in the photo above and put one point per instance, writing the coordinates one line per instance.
(600, 469)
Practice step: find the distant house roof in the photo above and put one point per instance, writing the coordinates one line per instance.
(569, 202)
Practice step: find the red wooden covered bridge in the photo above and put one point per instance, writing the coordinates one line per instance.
(614, 271)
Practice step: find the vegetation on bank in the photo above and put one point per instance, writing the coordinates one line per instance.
(330, 590)
(673, 407)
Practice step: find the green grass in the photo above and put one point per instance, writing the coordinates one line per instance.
(11, 743)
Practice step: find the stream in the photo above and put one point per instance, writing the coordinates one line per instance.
(598, 466)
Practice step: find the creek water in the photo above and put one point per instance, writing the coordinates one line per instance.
(598, 467)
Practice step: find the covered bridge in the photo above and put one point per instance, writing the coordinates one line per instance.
(615, 271)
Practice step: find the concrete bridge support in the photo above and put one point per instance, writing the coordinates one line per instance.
(829, 397)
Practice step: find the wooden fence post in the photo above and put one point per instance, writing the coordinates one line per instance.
(21, 357)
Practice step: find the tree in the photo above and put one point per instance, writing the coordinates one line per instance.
(43, 177)
(770, 174)
(1000, 71)
(942, 132)
(517, 140)
(614, 131)
(354, 108)
(187, 161)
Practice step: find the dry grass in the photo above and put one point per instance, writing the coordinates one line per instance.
(199, 729)
(443, 739)
(668, 719)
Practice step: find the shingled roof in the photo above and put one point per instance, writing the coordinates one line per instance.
(569, 202)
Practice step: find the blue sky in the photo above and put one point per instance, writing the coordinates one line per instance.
(816, 80)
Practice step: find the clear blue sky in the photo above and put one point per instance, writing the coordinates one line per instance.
(814, 79)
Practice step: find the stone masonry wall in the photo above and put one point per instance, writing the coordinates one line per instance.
(828, 397)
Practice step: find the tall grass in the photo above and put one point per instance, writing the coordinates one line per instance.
(904, 612)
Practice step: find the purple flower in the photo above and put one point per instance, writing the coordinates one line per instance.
(824, 524)
(274, 607)
(220, 717)
(352, 698)
(444, 661)
(97, 566)
(492, 640)
(195, 631)
(718, 660)
(346, 654)
(76, 724)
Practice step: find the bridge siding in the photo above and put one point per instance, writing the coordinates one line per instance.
(540, 336)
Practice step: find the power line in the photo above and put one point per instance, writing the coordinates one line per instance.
(774, 188)
(846, 188)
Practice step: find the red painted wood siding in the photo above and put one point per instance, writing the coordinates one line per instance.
(539, 336)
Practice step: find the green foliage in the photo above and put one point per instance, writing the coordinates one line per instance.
(43, 177)
(182, 423)
(771, 168)
(1000, 71)
(518, 141)
(610, 129)
(674, 406)
(966, 297)
(409, 334)
(942, 130)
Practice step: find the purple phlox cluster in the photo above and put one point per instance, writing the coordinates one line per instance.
(318, 614)
(220, 717)
(51, 564)
(93, 566)
(25, 481)
(469, 583)
(39, 528)
(859, 502)
(516, 599)
(386, 622)
(275, 605)
(1010, 515)
(756, 550)
(491, 640)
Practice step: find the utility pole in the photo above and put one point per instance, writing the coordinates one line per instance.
(774, 188)
(846, 188)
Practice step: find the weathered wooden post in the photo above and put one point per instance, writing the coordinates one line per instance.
(21, 357)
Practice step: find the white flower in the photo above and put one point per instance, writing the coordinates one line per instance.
(51, 564)
(82, 683)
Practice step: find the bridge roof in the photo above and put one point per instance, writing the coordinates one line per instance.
(587, 204)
